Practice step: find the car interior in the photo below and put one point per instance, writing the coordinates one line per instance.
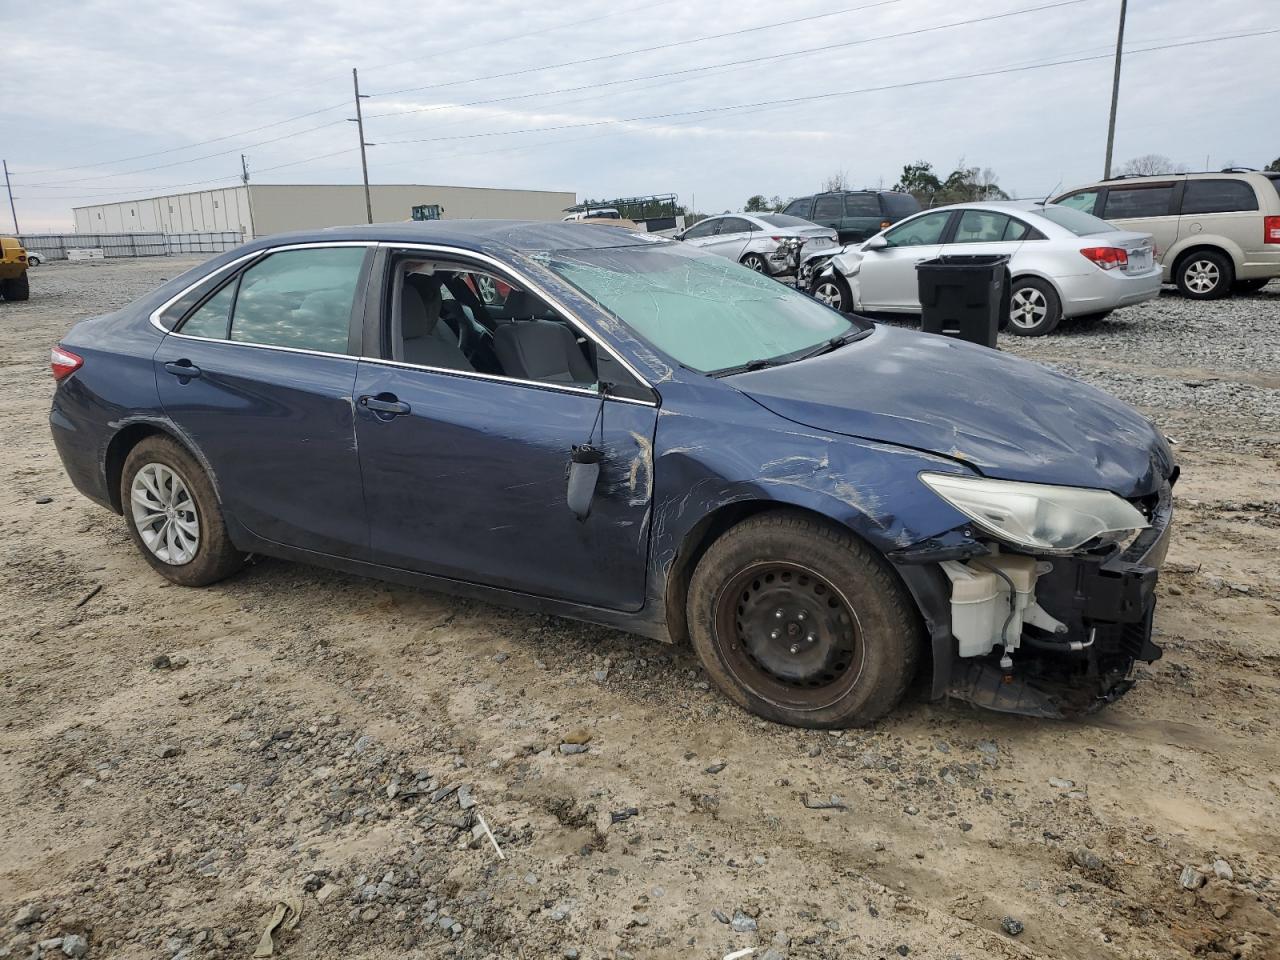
(441, 320)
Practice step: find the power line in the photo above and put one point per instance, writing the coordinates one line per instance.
(787, 101)
(732, 63)
(342, 104)
(189, 146)
(178, 163)
(627, 53)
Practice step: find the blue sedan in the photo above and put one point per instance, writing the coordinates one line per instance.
(638, 434)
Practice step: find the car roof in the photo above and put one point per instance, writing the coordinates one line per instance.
(482, 236)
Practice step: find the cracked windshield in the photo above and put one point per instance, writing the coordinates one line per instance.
(706, 312)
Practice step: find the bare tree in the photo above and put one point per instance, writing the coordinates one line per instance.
(1151, 164)
(836, 181)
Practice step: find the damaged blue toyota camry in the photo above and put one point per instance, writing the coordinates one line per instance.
(615, 427)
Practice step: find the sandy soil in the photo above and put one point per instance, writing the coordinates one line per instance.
(174, 762)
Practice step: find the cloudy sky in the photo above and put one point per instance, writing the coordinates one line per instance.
(110, 101)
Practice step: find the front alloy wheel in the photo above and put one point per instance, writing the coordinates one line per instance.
(834, 293)
(1034, 308)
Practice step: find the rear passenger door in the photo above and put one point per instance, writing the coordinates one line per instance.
(732, 238)
(863, 217)
(1221, 207)
(259, 375)
(1147, 207)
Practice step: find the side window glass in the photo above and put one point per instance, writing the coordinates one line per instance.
(733, 225)
(919, 232)
(798, 208)
(1016, 230)
(703, 229)
(862, 205)
(829, 207)
(1126, 202)
(1218, 196)
(1084, 200)
(981, 226)
(299, 298)
(212, 318)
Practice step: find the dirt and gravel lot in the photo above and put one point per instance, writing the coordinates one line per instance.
(173, 763)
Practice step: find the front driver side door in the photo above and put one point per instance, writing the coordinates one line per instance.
(466, 476)
(887, 277)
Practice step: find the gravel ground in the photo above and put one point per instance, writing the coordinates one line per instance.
(174, 763)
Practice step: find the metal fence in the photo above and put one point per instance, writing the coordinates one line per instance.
(54, 246)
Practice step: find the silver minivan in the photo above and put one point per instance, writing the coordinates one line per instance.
(1215, 233)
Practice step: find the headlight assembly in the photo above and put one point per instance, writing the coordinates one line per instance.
(1038, 516)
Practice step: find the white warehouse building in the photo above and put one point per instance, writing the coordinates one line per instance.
(256, 210)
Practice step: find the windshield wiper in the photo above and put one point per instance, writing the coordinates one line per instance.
(751, 365)
(835, 343)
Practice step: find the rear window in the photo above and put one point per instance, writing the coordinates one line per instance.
(1126, 202)
(899, 205)
(782, 220)
(1077, 221)
(1218, 196)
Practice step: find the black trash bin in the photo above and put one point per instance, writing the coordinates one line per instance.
(965, 296)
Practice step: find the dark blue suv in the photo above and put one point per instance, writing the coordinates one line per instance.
(638, 434)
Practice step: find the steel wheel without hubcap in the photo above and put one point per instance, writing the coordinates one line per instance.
(164, 514)
(1202, 276)
(1027, 308)
(788, 636)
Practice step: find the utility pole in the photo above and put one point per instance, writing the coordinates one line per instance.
(1115, 92)
(364, 163)
(244, 170)
(8, 186)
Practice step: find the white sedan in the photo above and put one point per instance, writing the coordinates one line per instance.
(769, 243)
(1064, 262)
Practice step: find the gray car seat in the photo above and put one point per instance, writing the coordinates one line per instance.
(426, 340)
(541, 350)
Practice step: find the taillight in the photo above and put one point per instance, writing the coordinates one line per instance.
(64, 363)
(1108, 258)
(1271, 229)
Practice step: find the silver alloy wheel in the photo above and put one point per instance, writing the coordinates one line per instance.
(753, 262)
(828, 292)
(164, 514)
(488, 289)
(1027, 308)
(1202, 276)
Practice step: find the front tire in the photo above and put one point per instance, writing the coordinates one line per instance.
(1204, 275)
(173, 514)
(801, 622)
(834, 292)
(753, 261)
(1034, 308)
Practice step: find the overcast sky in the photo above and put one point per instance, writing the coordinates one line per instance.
(90, 85)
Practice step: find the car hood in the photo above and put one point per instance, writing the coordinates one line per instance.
(1004, 416)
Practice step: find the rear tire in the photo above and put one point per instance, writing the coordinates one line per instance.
(1204, 275)
(801, 622)
(1034, 308)
(753, 261)
(184, 497)
(834, 292)
(19, 288)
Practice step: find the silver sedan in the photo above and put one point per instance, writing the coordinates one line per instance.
(769, 243)
(1064, 262)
